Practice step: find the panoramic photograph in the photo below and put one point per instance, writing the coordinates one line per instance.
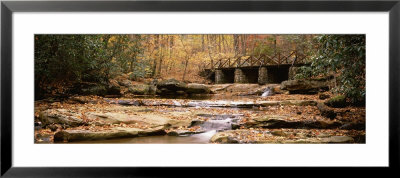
(199, 89)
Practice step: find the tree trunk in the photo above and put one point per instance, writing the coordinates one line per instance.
(184, 72)
(160, 56)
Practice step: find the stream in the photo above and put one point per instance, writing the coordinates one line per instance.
(214, 124)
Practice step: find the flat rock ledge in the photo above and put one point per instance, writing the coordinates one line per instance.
(285, 122)
(184, 132)
(229, 137)
(70, 119)
(117, 132)
(220, 103)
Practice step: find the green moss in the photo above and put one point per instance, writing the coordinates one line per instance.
(337, 102)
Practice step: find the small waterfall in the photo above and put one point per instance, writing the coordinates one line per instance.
(217, 124)
(267, 92)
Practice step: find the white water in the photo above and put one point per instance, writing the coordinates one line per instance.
(214, 124)
(265, 94)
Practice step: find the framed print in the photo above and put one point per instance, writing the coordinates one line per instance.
(141, 88)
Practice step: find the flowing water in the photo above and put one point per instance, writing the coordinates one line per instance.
(214, 124)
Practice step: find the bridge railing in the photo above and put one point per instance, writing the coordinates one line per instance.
(251, 61)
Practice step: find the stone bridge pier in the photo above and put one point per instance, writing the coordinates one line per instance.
(260, 74)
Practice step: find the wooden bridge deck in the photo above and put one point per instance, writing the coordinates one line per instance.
(253, 61)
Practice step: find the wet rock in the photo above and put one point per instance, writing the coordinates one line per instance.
(337, 102)
(269, 91)
(60, 116)
(117, 132)
(326, 111)
(234, 104)
(196, 122)
(235, 126)
(184, 132)
(130, 102)
(259, 90)
(304, 86)
(38, 125)
(222, 137)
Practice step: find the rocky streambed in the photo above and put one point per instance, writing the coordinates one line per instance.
(152, 120)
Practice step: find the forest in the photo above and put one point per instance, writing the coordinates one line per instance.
(200, 88)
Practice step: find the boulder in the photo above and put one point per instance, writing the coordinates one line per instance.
(304, 86)
(125, 83)
(170, 87)
(85, 88)
(113, 90)
(98, 90)
(222, 137)
(81, 99)
(194, 88)
(337, 102)
(63, 117)
(292, 72)
(140, 89)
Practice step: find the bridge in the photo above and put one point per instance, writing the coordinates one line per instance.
(260, 69)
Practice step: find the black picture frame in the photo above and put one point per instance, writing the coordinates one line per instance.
(8, 7)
